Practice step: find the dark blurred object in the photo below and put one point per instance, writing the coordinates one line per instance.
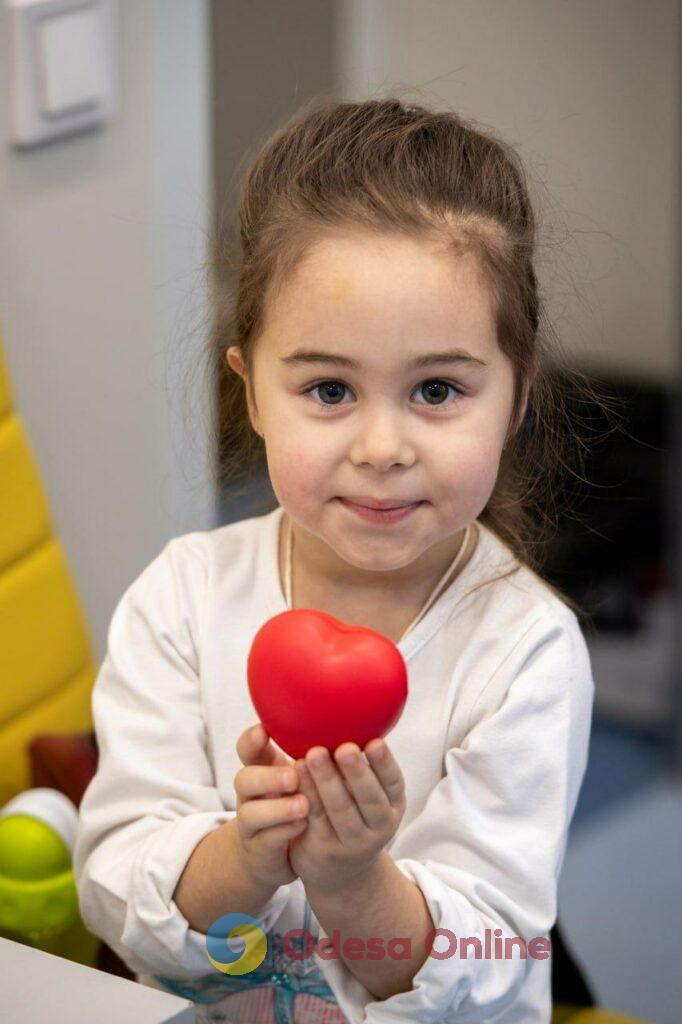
(63, 761)
(614, 557)
(569, 986)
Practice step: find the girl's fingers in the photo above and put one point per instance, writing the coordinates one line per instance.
(308, 788)
(337, 798)
(387, 770)
(253, 781)
(254, 747)
(259, 814)
(365, 785)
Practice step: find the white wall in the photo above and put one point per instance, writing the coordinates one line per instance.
(102, 244)
(267, 59)
(589, 93)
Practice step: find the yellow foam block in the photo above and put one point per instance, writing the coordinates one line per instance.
(67, 710)
(5, 389)
(25, 518)
(43, 638)
(565, 1014)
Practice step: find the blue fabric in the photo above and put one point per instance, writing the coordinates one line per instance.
(289, 977)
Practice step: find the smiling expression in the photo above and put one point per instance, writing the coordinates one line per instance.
(384, 419)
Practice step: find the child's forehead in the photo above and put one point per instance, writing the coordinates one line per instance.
(341, 274)
(348, 251)
(340, 287)
(355, 288)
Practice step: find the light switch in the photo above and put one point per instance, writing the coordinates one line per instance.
(71, 60)
(64, 67)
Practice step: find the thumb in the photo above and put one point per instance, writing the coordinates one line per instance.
(258, 749)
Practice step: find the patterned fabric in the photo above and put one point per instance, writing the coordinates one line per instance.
(282, 990)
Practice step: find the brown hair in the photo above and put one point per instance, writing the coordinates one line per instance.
(385, 167)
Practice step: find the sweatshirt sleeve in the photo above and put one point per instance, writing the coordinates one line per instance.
(487, 848)
(153, 797)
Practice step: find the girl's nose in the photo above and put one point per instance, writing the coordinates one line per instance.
(381, 443)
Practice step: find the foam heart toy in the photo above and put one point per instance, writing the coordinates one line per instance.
(316, 681)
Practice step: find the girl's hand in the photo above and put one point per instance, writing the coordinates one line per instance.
(355, 810)
(266, 819)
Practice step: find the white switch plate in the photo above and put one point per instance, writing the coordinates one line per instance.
(63, 67)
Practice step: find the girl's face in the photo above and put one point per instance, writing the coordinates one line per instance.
(378, 377)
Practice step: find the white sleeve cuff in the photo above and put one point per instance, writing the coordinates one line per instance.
(154, 927)
(440, 986)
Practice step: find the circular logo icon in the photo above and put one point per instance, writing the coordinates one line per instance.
(233, 926)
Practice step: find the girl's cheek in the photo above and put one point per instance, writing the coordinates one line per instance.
(296, 479)
(470, 452)
(467, 473)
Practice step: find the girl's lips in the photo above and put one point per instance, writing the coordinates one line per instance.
(374, 515)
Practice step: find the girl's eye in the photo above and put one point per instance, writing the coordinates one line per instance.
(435, 390)
(432, 390)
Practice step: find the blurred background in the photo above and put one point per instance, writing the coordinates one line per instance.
(105, 300)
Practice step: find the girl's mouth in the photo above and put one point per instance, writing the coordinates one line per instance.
(374, 515)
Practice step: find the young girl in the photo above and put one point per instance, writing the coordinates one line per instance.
(384, 345)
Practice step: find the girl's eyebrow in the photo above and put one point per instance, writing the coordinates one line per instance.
(453, 355)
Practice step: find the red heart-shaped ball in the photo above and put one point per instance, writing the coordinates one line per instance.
(315, 681)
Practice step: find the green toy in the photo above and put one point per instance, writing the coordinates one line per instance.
(38, 897)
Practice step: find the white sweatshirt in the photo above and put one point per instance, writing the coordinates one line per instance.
(492, 742)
